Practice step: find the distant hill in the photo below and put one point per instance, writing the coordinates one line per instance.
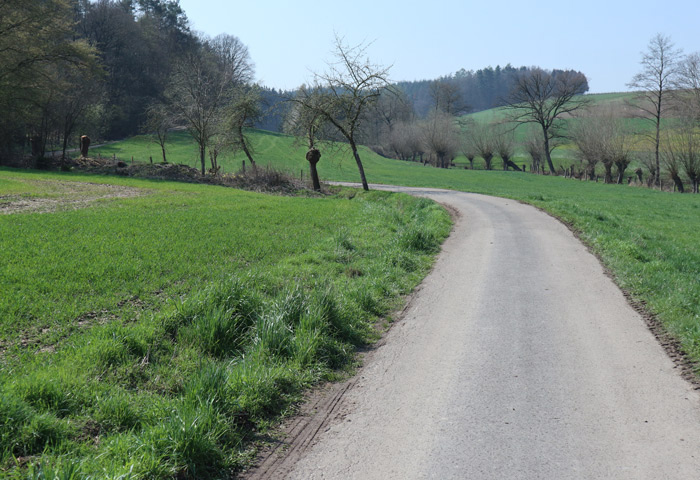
(478, 90)
(474, 91)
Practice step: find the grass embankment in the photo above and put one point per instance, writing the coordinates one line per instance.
(647, 238)
(151, 336)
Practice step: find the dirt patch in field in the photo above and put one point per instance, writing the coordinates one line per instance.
(60, 195)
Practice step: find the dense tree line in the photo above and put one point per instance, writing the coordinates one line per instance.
(477, 90)
(138, 43)
(40, 58)
(97, 66)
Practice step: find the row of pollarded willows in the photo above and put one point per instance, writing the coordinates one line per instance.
(656, 130)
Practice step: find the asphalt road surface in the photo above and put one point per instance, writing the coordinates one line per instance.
(518, 358)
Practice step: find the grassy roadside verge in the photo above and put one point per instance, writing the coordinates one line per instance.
(150, 336)
(647, 239)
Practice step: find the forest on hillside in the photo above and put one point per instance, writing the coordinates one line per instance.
(74, 67)
(475, 90)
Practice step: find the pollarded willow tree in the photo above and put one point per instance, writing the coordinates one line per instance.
(481, 137)
(468, 148)
(680, 152)
(603, 139)
(345, 93)
(504, 145)
(242, 113)
(406, 142)
(543, 98)
(441, 138)
(533, 146)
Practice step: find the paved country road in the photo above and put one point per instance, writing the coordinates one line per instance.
(518, 358)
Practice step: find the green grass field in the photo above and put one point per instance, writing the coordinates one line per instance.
(648, 238)
(153, 335)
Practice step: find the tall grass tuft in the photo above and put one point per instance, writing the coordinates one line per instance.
(273, 336)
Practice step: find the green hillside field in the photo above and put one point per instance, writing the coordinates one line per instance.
(617, 104)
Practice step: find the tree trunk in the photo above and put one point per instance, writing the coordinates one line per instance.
(608, 172)
(313, 156)
(162, 147)
(442, 160)
(314, 177)
(84, 146)
(651, 181)
(512, 165)
(487, 161)
(245, 147)
(678, 182)
(355, 154)
(202, 157)
(620, 174)
(248, 154)
(63, 153)
(547, 153)
(658, 140)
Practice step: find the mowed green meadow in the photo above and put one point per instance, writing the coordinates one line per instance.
(153, 329)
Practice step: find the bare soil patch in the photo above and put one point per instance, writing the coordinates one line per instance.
(63, 195)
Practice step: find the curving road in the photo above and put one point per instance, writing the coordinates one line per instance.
(518, 358)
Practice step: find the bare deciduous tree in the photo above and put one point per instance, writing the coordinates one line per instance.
(543, 98)
(483, 142)
(619, 147)
(681, 151)
(504, 145)
(203, 85)
(345, 92)
(243, 111)
(447, 97)
(441, 138)
(469, 150)
(687, 87)
(405, 141)
(391, 108)
(672, 160)
(588, 139)
(311, 126)
(534, 147)
(659, 69)
(158, 124)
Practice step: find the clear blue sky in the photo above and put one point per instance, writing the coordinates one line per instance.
(424, 40)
